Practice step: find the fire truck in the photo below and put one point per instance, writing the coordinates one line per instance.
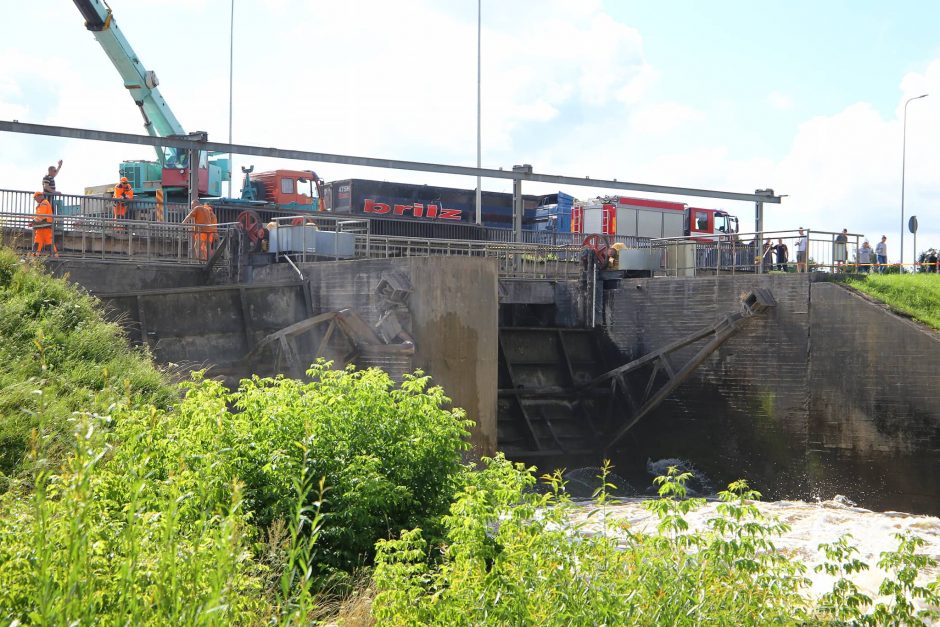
(644, 217)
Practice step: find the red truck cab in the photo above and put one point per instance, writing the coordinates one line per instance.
(301, 188)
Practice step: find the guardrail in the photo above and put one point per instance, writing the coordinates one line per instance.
(91, 237)
(685, 256)
(143, 209)
(521, 261)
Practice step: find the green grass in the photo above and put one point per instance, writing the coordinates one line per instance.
(53, 338)
(916, 295)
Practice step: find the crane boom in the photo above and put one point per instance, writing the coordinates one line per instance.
(140, 82)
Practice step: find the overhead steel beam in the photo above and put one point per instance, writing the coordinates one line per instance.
(766, 196)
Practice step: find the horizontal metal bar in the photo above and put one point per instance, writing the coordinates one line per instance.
(322, 157)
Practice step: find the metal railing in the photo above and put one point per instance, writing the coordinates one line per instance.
(558, 238)
(90, 237)
(686, 256)
(521, 261)
(144, 209)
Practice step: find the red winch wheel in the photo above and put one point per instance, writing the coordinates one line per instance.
(600, 246)
(251, 223)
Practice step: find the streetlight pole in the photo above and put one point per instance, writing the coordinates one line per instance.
(903, 163)
(479, 198)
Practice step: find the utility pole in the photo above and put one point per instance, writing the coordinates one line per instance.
(903, 163)
(479, 205)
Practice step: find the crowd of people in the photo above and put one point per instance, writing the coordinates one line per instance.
(866, 259)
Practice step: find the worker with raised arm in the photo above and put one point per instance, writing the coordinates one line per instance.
(123, 192)
(42, 225)
(203, 219)
(48, 181)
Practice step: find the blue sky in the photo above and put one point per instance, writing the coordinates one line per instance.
(804, 97)
(727, 55)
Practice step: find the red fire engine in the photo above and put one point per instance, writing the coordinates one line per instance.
(643, 217)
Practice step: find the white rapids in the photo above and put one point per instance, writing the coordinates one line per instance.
(811, 524)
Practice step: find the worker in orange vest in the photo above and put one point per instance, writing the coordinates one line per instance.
(42, 225)
(204, 222)
(122, 191)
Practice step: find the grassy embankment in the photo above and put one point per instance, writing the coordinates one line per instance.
(130, 500)
(915, 295)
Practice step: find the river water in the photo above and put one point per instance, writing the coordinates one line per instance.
(811, 524)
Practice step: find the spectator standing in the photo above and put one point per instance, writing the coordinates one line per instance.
(932, 261)
(881, 254)
(864, 257)
(48, 185)
(801, 244)
(839, 253)
(783, 254)
(48, 181)
(767, 256)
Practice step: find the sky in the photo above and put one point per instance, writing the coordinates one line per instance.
(805, 96)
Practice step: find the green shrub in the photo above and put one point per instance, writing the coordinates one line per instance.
(390, 456)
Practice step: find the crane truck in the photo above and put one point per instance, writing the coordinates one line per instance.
(171, 169)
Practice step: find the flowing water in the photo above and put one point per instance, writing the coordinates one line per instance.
(811, 523)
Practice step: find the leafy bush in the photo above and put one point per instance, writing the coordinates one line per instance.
(390, 456)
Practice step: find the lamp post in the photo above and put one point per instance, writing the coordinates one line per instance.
(479, 191)
(903, 163)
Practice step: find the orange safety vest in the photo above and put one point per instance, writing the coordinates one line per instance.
(43, 219)
(124, 190)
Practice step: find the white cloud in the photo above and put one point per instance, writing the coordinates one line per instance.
(663, 117)
(779, 100)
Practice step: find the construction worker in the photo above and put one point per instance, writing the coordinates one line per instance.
(122, 192)
(204, 226)
(42, 225)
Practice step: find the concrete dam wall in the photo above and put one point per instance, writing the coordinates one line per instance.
(827, 394)
(452, 323)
